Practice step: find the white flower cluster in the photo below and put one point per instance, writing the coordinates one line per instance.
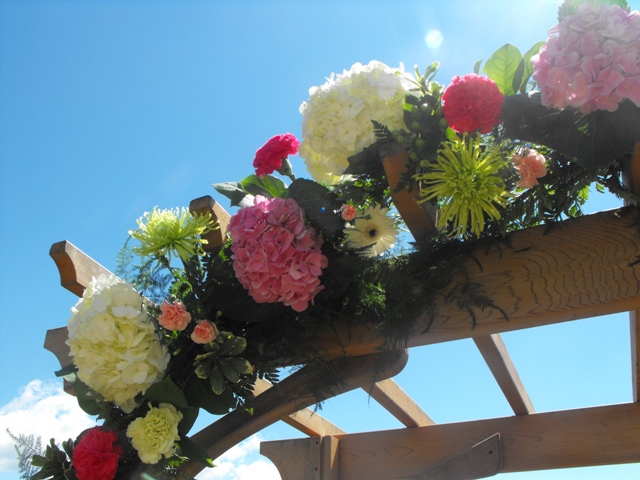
(113, 344)
(337, 117)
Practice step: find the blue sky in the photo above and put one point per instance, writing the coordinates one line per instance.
(110, 108)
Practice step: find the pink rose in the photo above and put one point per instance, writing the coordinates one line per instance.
(204, 332)
(349, 212)
(530, 165)
(174, 317)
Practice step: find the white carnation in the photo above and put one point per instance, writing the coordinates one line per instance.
(113, 344)
(336, 120)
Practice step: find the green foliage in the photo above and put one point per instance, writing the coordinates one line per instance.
(320, 206)
(569, 7)
(26, 447)
(55, 464)
(502, 68)
(267, 186)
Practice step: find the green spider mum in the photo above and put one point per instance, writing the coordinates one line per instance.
(466, 183)
(163, 232)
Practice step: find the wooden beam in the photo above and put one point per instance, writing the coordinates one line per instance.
(306, 420)
(389, 394)
(573, 438)
(495, 353)
(301, 389)
(314, 458)
(582, 268)
(215, 238)
(75, 267)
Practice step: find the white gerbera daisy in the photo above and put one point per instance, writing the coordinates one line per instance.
(375, 230)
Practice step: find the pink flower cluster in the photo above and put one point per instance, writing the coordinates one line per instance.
(531, 166)
(276, 256)
(269, 156)
(594, 61)
(472, 102)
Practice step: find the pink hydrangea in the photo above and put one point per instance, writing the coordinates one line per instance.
(174, 316)
(531, 166)
(276, 256)
(591, 60)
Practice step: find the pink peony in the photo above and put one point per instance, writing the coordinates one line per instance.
(204, 332)
(96, 455)
(531, 166)
(591, 60)
(349, 212)
(269, 156)
(277, 257)
(174, 317)
(471, 103)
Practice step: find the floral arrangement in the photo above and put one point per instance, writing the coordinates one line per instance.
(490, 153)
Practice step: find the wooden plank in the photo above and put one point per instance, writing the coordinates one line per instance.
(314, 458)
(306, 420)
(574, 438)
(75, 267)
(495, 353)
(215, 238)
(301, 389)
(583, 268)
(395, 400)
(330, 458)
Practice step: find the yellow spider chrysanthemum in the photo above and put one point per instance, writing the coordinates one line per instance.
(163, 232)
(466, 184)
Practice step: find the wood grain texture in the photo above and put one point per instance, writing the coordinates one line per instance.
(75, 267)
(498, 360)
(314, 458)
(215, 238)
(300, 390)
(389, 394)
(582, 268)
(574, 438)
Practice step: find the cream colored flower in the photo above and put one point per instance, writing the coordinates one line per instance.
(375, 230)
(155, 434)
(113, 344)
(336, 120)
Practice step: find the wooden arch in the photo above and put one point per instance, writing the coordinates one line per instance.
(586, 269)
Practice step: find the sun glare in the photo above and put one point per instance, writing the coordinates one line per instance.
(433, 39)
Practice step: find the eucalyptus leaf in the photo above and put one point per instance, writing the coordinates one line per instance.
(267, 186)
(320, 205)
(165, 391)
(502, 66)
(233, 191)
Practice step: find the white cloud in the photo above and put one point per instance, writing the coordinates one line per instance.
(242, 462)
(42, 409)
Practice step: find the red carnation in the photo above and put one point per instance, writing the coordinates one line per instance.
(472, 102)
(269, 157)
(96, 455)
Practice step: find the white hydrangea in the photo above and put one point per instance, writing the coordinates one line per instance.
(336, 120)
(113, 344)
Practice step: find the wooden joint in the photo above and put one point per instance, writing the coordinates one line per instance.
(215, 238)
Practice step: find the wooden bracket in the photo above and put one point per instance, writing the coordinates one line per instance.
(215, 238)
(482, 460)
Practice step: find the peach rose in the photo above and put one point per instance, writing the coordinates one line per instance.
(349, 212)
(204, 332)
(531, 166)
(174, 317)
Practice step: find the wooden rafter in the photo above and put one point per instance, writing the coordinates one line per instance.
(573, 438)
(389, 394)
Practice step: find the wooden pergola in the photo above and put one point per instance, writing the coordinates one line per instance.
(590, 267)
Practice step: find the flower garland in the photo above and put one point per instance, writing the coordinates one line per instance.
(484, 152)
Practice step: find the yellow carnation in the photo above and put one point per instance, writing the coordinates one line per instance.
(154, 434)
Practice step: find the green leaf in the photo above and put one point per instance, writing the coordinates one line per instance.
(368, 162)
(195, 452)
(240, 365)
(165, 391)
(233, 346)
(502, 66)
(231, 190)
(228, 371)
(38, 461)
(86, 402)
(200, 395)
(189, 417)
(216, 380)
(320, 205)
(267, 186)
(476, 67)
(528, 67)
(517, 76)
(68, 370)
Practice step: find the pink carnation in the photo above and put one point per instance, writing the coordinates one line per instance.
(204, 332)
(174, 317)
(277, 257)
(269, 156)
(349, 212)
(531, 166)
(471, 103)
(591, 60)
(96, 455)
